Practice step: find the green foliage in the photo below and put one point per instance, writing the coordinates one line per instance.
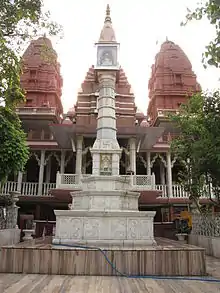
(199, 145)
(21, 20)
(211, 10)
(13, 151)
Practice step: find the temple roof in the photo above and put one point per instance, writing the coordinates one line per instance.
(171, 69)
(40, 51)
(107, 34)
(173, 57)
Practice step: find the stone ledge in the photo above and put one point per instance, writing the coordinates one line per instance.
(107, 244)
(95, 214)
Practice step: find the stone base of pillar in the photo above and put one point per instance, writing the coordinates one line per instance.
(104, 229)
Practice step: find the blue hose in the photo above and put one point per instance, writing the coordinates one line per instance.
(200, 279)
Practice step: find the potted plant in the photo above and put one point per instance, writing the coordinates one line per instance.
(183, 230)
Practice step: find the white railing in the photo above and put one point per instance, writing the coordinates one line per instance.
(162, 189)
(178, 191)
(73, 181)
(27, 188)
(8, 187)
(143, 182)
(46, 188)
(67, 181)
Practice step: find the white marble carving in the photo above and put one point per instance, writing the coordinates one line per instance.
(105, 228)
(105, 212)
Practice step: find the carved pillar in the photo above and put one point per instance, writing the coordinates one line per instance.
(79, 144)
(169, 175)
(132, 153)
(62, 161)
(12, 211)
(148, 163)
(162, 174)
(41, 172)
(20, 177)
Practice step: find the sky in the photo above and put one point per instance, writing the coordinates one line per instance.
(141, 26)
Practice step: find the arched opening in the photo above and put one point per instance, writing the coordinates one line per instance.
(32, 170)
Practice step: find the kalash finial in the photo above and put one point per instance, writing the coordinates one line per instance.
(107, 16)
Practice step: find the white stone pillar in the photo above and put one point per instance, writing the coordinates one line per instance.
(132, 153)
(41, 172)
(79, 144)
(162, 174)
(62, 161)
(20, 177)
(169, 175)
(106, 151)
(148, 163)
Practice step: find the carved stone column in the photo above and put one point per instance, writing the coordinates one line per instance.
(41, 172)
(169, 175)
(132, 152)
(62, 161)
(79, 145)
(148, 163)
(20, 177)
(12, 211)
(162, 174)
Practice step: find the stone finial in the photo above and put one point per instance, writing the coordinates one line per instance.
(107, 34)
(107, 16)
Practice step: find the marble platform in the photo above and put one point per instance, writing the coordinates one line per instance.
(104, 214)
(104, 229)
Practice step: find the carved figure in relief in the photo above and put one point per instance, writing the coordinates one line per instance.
(106, 58)
(118, 229)
(91, 228)
(133, 228)
(105, 162)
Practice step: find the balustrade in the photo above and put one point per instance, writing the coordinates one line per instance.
(27, 188)
(73, 181)
(139, 182)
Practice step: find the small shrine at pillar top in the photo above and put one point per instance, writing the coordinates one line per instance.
(107, 47)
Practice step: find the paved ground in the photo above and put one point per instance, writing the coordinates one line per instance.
(16, 283)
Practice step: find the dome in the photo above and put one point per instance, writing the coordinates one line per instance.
(67, 121)
(71, 112)
(139, 114)
(145, 123)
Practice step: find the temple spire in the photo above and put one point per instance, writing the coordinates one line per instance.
(108, 16)
(107, 34)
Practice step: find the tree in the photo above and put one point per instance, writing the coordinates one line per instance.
(21, 20)
(12, 139)
(198, 145)
(209, 9)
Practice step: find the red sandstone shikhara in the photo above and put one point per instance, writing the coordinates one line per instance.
(60, 142)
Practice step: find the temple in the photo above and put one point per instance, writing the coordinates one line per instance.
(134, 143)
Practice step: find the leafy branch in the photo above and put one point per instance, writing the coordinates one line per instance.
(210, 10)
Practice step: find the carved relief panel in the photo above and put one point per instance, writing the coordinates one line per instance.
(105, 164)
